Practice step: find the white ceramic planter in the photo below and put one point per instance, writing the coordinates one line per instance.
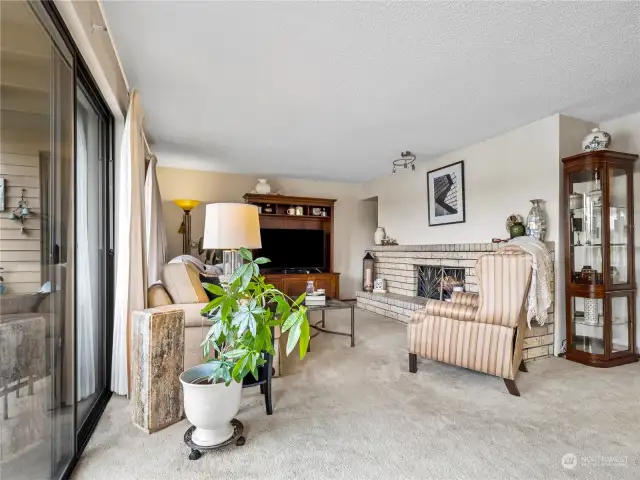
(210, 408)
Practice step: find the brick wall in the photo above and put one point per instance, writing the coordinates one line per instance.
(397, 264)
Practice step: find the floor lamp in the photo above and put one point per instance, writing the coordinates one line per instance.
(185, 226)
(230, 226)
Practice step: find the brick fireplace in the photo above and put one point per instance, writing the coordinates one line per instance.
(410, 282)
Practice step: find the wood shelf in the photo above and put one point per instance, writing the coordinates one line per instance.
(295, 283)
(283, 215)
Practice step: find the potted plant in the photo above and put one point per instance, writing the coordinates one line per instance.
(242, 316)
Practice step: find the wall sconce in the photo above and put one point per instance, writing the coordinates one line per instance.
(21, 212)
(185, 226)
(407, 159)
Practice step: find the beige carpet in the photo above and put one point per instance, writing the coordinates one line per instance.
(357, 413)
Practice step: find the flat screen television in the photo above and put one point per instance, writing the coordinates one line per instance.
(292, 249)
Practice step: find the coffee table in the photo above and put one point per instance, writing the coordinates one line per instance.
(332, 304)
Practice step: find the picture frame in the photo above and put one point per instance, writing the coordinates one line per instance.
(445, 195)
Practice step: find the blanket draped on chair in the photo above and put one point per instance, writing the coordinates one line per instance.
(540, 293)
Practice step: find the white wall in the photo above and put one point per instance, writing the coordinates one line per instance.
(352, 229)
(625, 137)
(501, 175)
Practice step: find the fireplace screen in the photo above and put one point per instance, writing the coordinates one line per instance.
(439, 282)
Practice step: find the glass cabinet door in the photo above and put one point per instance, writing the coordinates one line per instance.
(586, 217)
(620, 324)
(618, 226)
(587, 325)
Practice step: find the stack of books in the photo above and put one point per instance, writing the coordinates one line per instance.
(315, 299)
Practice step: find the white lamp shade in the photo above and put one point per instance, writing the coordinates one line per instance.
(229, 226)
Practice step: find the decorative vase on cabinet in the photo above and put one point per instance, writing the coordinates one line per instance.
(596, 140)
(262, 187)
(536, 221)
(379, 236)
(600, 289)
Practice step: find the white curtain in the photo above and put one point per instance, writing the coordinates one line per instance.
(86, 382)
(131, 277)
(155, 232)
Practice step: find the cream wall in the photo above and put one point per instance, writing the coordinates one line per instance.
(352, 229)
(625, 137)
(501, 175)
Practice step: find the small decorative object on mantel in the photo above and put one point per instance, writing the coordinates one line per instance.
(379, 286)
(536, 221)
(517, 230)
(291, 211)
(367, 272)
(379, 235)
(389, 241)
(268, 208)
(596, 140)
(299, 211)
(445, 194)
(263, 187)
(511, 219)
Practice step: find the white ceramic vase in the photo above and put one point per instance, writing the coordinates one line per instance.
(596, 140)
(263, 188)
(379, 236)
(209, 407)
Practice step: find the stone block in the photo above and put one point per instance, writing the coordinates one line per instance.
(157, 362)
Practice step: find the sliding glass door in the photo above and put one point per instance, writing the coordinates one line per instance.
(92, 255)
(55, 246)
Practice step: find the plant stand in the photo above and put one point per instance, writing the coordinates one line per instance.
(196, 450)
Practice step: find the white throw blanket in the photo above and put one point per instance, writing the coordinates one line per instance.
(540, 292)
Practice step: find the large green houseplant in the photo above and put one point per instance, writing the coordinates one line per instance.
(242, 315)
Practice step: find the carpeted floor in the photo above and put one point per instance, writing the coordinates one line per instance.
(357, 413)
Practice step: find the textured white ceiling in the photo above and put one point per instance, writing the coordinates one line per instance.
(338, 90)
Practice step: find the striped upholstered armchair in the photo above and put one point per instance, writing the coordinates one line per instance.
(483, 332)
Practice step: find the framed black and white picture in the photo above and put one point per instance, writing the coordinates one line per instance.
(445, 187)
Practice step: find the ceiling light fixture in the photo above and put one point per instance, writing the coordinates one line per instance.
(407, 159)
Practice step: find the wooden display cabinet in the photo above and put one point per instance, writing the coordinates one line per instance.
(599, 258)
(317, 214)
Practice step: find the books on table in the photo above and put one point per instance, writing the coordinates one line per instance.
(314, 300)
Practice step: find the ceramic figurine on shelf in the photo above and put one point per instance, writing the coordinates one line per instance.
(379, 236)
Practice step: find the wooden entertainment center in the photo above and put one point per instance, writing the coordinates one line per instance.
(313, 214)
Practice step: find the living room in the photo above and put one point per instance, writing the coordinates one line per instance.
(428, 181)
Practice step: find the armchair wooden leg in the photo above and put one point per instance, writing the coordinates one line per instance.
(522, 367)
(511, 386)
(413, 362)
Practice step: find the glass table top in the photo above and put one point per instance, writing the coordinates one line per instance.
(330, 304)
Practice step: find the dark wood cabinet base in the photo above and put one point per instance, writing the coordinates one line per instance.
(295, 284)
(599, 361)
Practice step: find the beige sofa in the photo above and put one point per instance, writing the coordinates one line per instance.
(483, 332)
(181, 288)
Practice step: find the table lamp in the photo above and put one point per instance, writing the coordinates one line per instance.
(185, 227)
(228, 227)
